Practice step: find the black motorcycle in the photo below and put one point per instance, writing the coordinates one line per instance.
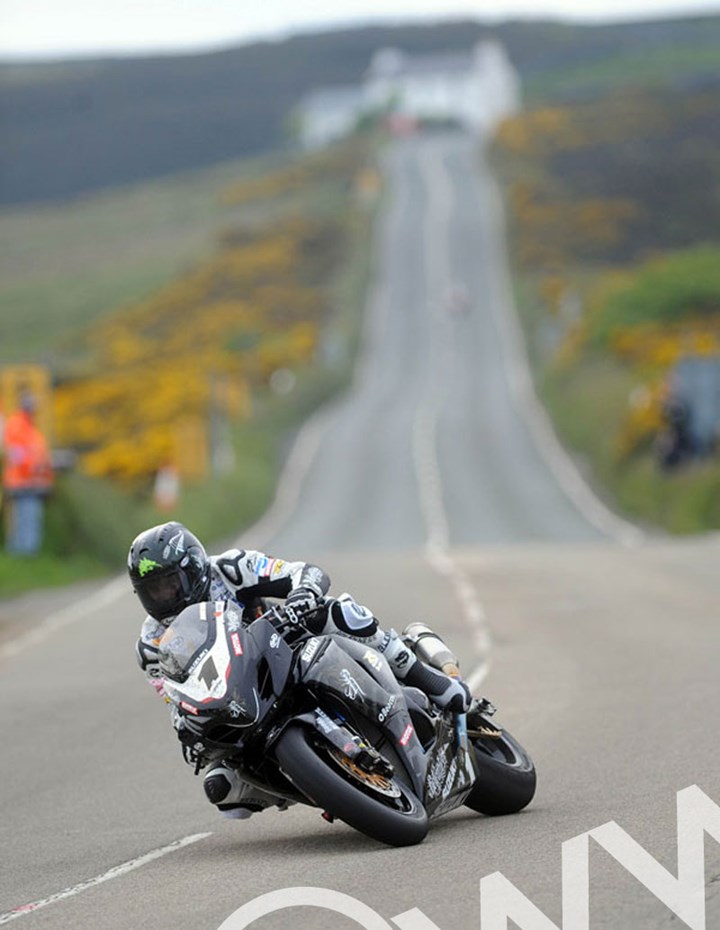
(322, 720)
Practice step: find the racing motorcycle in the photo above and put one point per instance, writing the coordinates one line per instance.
(322, 720)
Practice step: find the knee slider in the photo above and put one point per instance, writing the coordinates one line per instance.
(217, 787)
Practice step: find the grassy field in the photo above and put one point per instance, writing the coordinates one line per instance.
(64, 265)
(587, 402)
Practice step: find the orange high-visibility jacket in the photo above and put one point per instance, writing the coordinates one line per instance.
(26, 457)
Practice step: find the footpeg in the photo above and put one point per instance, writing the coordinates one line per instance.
(477, 722)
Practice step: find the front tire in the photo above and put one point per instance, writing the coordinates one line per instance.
(506, 775)
(310, 765)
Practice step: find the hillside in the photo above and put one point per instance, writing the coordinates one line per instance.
(613, 217)
(74, 127)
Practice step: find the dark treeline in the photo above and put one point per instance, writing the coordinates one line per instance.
(72, 127)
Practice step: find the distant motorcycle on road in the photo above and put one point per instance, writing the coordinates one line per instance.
(322, 720)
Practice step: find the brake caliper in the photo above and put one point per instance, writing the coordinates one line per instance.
(369, 759)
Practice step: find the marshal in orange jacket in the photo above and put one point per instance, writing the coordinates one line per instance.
(26, 457)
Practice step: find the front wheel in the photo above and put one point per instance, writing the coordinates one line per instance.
(381, 808)
(506, 774)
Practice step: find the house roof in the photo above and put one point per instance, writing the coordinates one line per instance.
(395, 63)
(332, 97)
(447, 64)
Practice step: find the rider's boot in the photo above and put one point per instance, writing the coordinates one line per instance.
(235, 798)
(357, 622)
(445, 691)
(432, 649)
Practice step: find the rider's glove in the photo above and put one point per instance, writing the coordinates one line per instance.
(193, 754)
(192, 748)
(299, 602)
(455, 697)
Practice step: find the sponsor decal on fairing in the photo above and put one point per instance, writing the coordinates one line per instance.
(372, 658)
(310, 649)
(385, 712)
(352, 689)
(405, 738)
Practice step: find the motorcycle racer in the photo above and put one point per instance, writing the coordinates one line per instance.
(169, 570)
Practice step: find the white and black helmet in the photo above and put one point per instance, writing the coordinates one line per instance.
(169, 569)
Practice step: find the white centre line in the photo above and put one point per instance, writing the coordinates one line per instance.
(427, 466)
(115, 872)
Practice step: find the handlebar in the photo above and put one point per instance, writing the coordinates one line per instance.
(279, 619)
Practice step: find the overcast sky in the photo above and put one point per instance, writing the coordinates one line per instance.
(72, 27)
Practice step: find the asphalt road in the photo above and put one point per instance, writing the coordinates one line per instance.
(433, 491)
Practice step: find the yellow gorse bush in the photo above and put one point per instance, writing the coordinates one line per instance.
(345, 161)
(547, 229)
(545, 131)
(659, 347)
(643, 422)
(210, 337)
(540, 132)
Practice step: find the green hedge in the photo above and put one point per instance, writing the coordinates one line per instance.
(666, 289)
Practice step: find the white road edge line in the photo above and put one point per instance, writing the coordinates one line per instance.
(517, 367)
(109, 593)
(427, 466)
(115, 872)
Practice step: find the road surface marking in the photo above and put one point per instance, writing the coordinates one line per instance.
(517, 367)
(427, 466)
(115, 872)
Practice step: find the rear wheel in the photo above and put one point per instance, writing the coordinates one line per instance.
(506, 774)
(380, 807)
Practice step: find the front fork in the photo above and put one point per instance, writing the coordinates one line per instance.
(461, 733)
(356, 749)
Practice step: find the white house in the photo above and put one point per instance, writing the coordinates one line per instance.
(476, 89)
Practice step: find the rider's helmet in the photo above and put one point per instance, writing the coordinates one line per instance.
(169, 569)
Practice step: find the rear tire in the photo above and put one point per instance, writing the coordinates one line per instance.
(400, 821)
(506, 775)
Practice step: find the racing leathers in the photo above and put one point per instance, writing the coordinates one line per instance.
(244, 578)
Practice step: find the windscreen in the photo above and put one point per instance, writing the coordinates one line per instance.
(191, 633)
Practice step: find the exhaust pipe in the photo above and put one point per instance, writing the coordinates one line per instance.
(429, 648)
